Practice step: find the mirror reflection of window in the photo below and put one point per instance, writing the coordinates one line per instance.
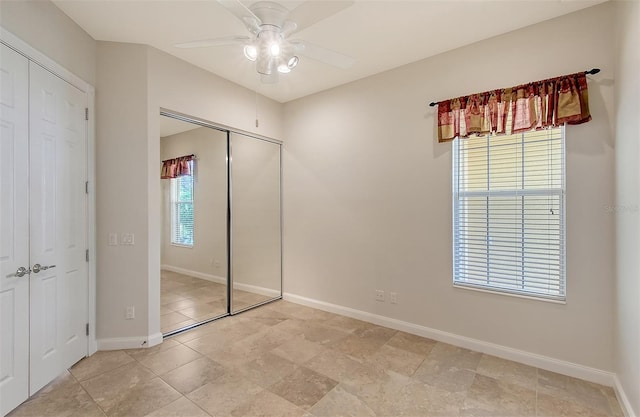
(182, 210)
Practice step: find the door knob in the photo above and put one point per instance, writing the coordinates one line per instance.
(20, 272)
(37, 268)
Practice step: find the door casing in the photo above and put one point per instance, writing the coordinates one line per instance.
(9, 39)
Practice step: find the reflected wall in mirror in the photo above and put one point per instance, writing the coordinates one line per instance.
(255, 215)
(194, 226)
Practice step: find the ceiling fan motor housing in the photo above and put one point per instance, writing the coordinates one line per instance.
(270, 13)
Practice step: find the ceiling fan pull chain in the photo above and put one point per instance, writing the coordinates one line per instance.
(256, 104)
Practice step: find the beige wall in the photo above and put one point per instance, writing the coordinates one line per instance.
(46, 28)
(367, 194)
(134, 82)
(121, 189)
(626, 209)
(182, 87)
(209, 252)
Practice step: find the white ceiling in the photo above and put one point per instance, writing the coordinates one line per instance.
(379, 34)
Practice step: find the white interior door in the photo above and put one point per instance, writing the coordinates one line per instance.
(58, 226)
(14, 229)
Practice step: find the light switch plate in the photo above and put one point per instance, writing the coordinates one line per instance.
(127, 239)
(113, 239)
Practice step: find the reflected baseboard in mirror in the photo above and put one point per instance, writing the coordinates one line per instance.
(186, 300)
(243, 299)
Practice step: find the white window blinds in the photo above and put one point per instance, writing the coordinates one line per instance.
(182, 210)
(508, 220)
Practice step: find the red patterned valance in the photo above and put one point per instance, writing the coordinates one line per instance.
(177, 167)
(536, 105)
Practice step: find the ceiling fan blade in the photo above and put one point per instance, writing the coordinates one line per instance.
(228, 40)
(322, 54)
(311, 12)
(288, 28)
(239, 10)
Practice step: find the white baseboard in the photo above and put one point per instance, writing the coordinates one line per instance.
(195, 274)
(154, 339)
(532, 359)
(117, 343)
(268, 292)
(627, 409)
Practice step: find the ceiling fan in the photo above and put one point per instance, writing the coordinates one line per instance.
(270, 25)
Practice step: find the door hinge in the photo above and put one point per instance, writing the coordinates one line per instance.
(86, 187)
(86, 113)
(87, 329)
(86, 255)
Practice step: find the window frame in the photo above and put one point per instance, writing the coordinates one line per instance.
(457, 281)
(175, 212)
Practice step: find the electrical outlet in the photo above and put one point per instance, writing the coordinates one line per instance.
(113, 239)
(380, 295)
(131, 312)
(393, 297)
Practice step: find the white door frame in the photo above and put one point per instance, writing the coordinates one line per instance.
(50, 65)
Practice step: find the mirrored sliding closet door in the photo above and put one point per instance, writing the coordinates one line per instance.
(221, 249)
(194, 255)
(256, 262)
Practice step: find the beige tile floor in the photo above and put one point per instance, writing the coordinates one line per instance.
(284, 359)
(185, 300)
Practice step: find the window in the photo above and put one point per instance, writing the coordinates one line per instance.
(508, 213)
(182, 210)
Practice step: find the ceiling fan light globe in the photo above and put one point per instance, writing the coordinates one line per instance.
(274, 49)
(293, 61)
(284, 69)
(251, 52)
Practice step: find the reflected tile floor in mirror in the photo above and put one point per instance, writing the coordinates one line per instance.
(186, 300)
(243, 299)
(283, 359)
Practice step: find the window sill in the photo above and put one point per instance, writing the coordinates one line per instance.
(182, 246)
(507, 293)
